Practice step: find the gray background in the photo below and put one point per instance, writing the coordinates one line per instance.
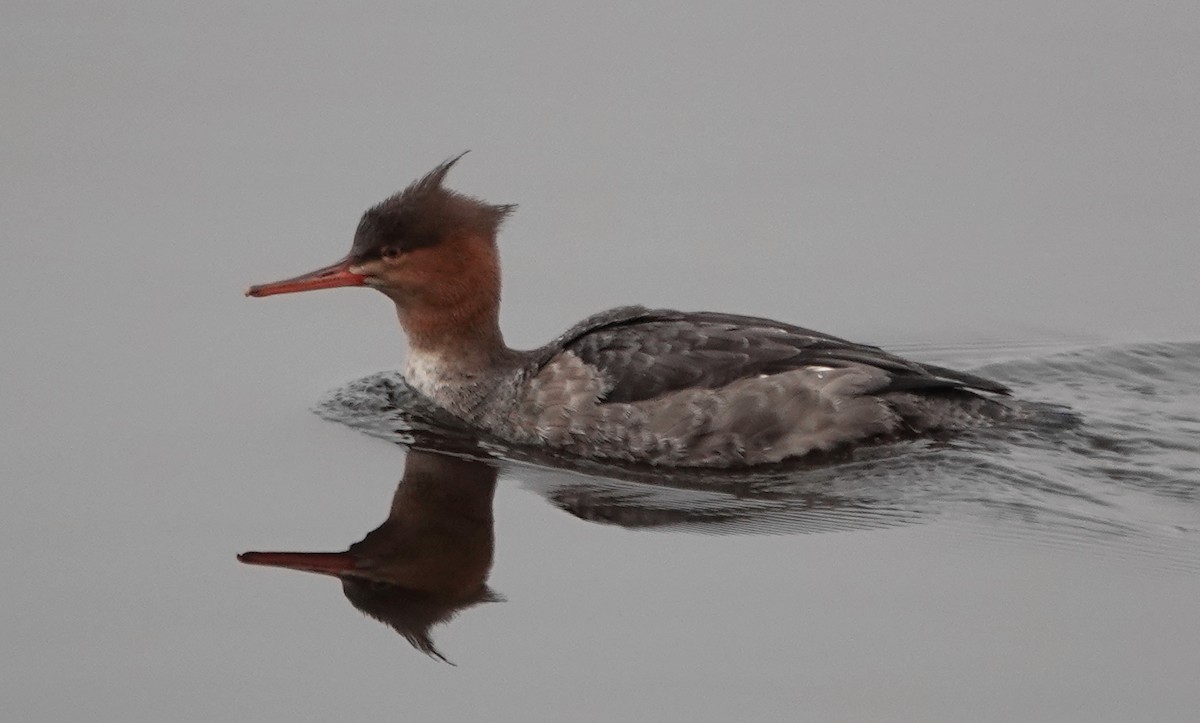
(997, 174)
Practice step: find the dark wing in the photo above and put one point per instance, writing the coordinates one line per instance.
(647, 353)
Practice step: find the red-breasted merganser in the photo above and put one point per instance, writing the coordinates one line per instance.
(653, 386)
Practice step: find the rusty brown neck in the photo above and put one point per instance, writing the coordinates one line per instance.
(457, 317)
(470, 336)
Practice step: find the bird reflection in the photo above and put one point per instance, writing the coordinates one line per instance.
(432, 556)
(428, 561)
(862, 493)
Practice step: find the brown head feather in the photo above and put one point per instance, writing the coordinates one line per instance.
(423, 215)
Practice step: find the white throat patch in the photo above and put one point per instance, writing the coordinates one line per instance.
(425, 372)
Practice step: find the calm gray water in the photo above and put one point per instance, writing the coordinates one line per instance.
(1013, 189)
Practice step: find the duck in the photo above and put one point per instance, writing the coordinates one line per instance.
(632, 384)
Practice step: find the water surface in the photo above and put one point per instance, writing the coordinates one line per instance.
(1011, 189)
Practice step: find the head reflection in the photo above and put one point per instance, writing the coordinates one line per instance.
(428, 561)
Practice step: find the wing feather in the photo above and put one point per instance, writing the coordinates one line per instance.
(646, 353)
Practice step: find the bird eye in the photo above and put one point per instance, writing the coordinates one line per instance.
(389, 252)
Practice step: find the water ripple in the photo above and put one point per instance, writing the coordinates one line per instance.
(1110, 459)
